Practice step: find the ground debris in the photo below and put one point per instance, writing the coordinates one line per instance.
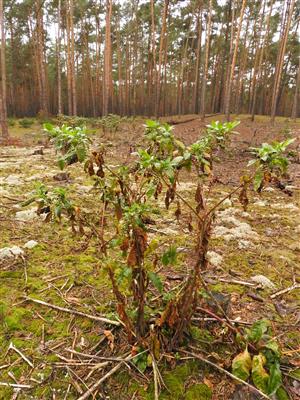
(263, 281)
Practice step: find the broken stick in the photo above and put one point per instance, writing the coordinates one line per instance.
(74, 312)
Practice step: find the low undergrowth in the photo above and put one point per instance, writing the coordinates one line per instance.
(157, 322)
(120, 231)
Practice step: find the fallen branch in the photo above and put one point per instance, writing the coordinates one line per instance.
(286, 290)
(15, 385)
(12, 347)
(106, 376)
(74, 312)
(95, 356)
(237, 282)
(156, 383)
(197, 356)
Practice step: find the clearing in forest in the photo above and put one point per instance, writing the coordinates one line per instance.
(252, 271)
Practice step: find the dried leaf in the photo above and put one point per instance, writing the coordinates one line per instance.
(132, 259)
(118, 212)
(243, 197)
(189, 222)
(110, 338)
(199, 198)
(158, 190)
(178, 211)
(124, 246)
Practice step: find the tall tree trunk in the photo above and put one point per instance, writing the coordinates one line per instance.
(67, 39)
(260, 62)
(234, 56)
(73, 75)
(280, 59)
(205, 70)
(160, 56)
(198, 61)
(296, 95)
(3, 109)
(107, 89)
(231, 10)
(153, 78)
(40, 57)
(243, 61)
(59, 98)
(183, 62)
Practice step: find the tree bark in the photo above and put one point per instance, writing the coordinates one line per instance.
(59, 98)
(296, 95)
(205, 71)
(228, 91)
(160, 56)
(107, 89)
(3, 107)
(280, 59)
(198, 61)
(260, 62)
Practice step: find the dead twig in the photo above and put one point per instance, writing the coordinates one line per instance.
(286, 290)
(12, 347)
(95, 386)
(156, 382)
(74, 312)
(15, 385)
(95, 357)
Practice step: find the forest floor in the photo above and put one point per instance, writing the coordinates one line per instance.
(65, 270)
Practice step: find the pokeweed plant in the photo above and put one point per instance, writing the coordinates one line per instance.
(270, 163)
(130, 192)
(222, 131)
(72, 143)
(55, 204)
(262, 366)
(111, 122)
(128, 197)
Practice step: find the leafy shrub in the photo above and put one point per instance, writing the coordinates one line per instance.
(72, 143)
(111, 122)
(54, 204)
(270, 162)
(71, 120)
(129, 203)
(11, 122)
(264, 366)
(26, 122)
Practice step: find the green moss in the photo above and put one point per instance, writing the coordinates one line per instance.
(198, 392)
(6, 393)
(201, 334)
(17, 318)
(175, 380)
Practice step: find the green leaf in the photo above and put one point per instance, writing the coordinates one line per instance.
(169, 257)
(155, 279)
(281, 394)
(81, 153)
(48, 127)
(258, 179)
(241, 365)
(124, 274)
(257, 330)
(61, 163)
(273, 345)
(259, 375)
(275, 378)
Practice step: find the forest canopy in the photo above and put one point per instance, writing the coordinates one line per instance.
(137, 57)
